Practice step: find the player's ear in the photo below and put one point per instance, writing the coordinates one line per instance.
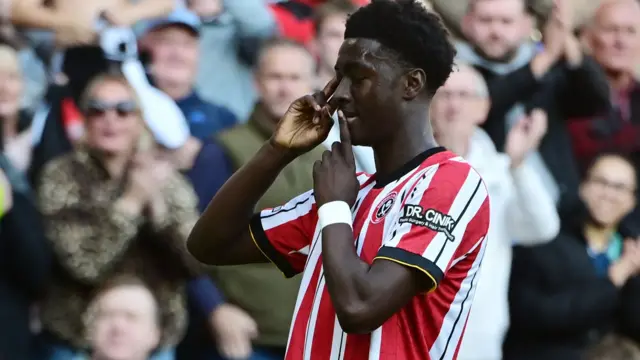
(414, 81)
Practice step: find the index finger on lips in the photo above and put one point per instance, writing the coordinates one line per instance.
(345, 138)
(345, 135)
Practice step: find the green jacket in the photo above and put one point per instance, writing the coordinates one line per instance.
(261, 289)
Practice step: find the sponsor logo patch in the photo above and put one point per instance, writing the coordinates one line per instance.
(429, 218)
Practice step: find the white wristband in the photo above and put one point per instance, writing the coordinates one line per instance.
(335, 212)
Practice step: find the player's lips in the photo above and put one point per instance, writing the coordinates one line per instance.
(350, 115)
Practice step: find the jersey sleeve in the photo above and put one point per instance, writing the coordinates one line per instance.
(444, 216)
(284, 233)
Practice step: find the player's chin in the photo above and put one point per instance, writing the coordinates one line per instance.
(356, 130)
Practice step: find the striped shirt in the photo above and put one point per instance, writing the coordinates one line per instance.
(431, 215)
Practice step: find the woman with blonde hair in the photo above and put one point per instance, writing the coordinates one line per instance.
(16, 127)
(24, 254)
(111, 207)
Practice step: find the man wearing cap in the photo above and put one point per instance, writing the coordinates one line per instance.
(173, 43)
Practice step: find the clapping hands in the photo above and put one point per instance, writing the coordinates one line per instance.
(147, 178)
(525, 136)
(628, 264)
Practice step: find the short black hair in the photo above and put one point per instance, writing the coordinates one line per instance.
(616, 155)
(406, 27)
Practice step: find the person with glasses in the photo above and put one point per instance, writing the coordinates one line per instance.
(569, 294)
(522, 212)
(113, 208)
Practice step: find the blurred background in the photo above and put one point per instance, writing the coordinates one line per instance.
(120, 119)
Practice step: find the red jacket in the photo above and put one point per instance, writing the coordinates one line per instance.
(295, 18)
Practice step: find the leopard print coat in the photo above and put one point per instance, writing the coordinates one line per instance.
(94, 241)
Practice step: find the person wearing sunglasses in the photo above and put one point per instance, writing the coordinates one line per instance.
(111, 207)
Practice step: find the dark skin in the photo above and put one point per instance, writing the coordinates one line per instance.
(381, 105)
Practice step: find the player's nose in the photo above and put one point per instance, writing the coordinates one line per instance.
(342, 96)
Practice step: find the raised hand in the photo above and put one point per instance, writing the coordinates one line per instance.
(160, 170)
(147, 177)
(525, 136)
(631, 255)
(75, 30)
(307, 122)
(334, 177)
(628, 265)
(234, 331)
(558, 26)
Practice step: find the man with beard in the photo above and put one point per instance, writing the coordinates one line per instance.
(558, 78)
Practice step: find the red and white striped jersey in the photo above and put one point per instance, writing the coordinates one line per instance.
(431, 215)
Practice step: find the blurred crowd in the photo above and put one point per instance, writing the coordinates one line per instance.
(120, 119)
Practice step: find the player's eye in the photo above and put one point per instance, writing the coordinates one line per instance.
(357, 80)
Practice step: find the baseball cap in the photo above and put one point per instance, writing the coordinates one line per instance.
(181, 16)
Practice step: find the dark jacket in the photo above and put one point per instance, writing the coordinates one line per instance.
(562, 93)
(25, 260)
(560, 305)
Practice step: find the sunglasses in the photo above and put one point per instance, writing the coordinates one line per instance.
(99, 108)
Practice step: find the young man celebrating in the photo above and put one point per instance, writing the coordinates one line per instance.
(389, 260)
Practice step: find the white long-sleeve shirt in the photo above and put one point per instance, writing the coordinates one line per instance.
(522, 213)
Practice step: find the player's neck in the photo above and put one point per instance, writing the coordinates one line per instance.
(404, 145)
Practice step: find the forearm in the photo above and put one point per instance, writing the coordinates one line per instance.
(228, 214)
(252, 16)
(204, 294)
(147, 9)
(345, 277)
(542, 63)
(33, 14)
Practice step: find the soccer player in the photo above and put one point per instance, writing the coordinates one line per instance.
(389, 260)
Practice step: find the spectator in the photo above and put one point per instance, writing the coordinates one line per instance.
(329, 24)
(34, 73)
(24, 264)
(284, 72)
(521, 211)
(106, 217)
(614, 37)
(124, 322)
(205, 165)
(26, 258)
(614, 348)
(15, 123)
(175, 52)
(559, 79)
(230, 41)
(452, 12)
(566, 295)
